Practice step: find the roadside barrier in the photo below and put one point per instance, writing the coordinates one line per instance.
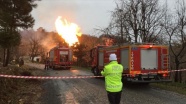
(69, 77)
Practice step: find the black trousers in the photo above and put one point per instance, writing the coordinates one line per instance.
(46, 67)
(114, 97)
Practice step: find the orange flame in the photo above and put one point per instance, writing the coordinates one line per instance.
(68, 31)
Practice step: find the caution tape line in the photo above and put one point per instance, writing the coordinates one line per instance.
(177, 70)
(42, 77)
(160, 72)
(70, 77)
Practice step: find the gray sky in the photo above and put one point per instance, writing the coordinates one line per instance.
(87, 14)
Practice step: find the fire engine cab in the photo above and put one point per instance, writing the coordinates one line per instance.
(143, 63)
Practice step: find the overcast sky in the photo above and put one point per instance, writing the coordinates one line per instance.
(87, 14)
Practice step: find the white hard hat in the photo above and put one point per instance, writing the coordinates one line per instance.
(112, 57)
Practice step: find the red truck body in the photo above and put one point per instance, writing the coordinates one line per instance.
(143, 63)
(60, 57)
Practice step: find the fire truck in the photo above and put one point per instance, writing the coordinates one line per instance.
(143, 63)
(60, 57)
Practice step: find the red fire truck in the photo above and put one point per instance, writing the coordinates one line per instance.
(60, 57)
(143, 63)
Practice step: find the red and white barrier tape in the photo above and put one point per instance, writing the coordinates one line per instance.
(177, 70)
(69, 77)
(50, 77)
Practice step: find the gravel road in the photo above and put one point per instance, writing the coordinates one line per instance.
(92, 91)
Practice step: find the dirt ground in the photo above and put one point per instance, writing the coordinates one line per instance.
(20, 91)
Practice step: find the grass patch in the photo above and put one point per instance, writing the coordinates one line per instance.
(173, 86)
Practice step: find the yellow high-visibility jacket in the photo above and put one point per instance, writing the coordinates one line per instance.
(113, 76)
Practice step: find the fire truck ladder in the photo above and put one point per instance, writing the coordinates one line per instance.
(165, 61)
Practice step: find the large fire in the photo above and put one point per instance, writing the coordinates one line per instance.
(68, 31)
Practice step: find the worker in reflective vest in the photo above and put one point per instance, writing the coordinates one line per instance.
(113, 79)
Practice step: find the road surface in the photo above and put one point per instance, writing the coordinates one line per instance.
(92, 91)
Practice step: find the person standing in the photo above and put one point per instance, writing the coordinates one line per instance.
(47, 64)
(21, 62)
(113, 79)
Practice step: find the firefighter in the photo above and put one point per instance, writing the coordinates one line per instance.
(113, 79)
(46, 64)
(21, 62)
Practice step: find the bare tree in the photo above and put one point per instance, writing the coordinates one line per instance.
(175, 26)
(34, 47)
(151, 19)
(137, 20)
(119, 25)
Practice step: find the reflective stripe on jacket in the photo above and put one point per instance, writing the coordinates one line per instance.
(113, 76)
